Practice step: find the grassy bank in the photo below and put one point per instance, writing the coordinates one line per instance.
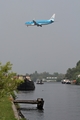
(6, 111)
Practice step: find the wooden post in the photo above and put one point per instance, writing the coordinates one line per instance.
(40, 103)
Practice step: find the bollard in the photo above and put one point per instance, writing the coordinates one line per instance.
(40, 103)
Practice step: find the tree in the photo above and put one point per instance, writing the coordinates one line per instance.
(60, 77)
(78, 63)
(73, 72)
(78, 81)
(55, 74)
(70, 73)
(8, 81)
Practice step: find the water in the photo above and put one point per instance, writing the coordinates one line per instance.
(61, 102)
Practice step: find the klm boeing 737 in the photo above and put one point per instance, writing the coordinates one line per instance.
(39, 23)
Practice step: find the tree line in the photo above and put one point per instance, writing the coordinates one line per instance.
(71, 74)
(8, 82)
(34, 76)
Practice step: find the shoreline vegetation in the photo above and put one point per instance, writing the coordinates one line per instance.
(8, 110)
(8, 83)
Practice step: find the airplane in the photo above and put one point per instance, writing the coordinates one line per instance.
(39, 23)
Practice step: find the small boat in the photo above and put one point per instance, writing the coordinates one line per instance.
(65, 81)
(68, 82)
(39, 81)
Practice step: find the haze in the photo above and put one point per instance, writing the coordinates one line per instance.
(51, 48)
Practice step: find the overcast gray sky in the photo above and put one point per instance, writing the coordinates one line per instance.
(51, 48)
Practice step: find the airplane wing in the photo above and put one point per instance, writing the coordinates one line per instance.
(37, 23)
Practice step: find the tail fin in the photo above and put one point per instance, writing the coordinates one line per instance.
(53, 17)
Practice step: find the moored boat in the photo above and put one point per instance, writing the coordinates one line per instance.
(28, 84)
(39, 81)
(65, 81)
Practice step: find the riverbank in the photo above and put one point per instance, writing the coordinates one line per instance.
(8, 110)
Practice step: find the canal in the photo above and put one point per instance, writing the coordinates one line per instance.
(61, 102)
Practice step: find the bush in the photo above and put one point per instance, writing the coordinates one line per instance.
(8, 81)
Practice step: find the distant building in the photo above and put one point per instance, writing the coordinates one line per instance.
(51, 79)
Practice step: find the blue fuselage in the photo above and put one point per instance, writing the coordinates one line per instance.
(39, 22)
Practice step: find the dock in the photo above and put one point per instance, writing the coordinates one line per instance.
(39, 102)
